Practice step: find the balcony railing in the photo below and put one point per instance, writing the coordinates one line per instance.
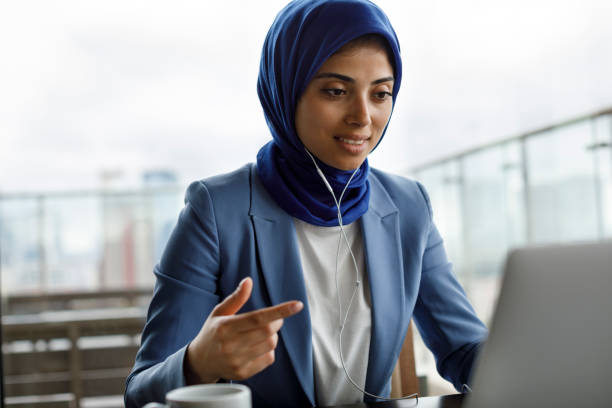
(549, 185)
(552, 184)
(84, 240)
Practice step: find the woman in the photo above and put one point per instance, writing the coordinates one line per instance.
(246, 289)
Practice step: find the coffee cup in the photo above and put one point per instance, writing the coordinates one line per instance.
(207, 396)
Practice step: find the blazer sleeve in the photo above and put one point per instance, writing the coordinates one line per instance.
(185, 294)
(443, 314)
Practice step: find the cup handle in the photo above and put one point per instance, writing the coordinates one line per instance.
(155, 405)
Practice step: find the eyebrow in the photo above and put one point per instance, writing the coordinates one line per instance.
(349, 79)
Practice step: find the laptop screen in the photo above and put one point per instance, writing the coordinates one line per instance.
(550, 338)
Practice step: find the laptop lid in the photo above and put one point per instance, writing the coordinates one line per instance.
(550, 343)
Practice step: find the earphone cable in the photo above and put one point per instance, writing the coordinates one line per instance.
(343, 321)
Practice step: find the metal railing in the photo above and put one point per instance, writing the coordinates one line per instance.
(552, 184)
(84, 239)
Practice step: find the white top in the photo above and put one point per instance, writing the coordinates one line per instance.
(318, 247)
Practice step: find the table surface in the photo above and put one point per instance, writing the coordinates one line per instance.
(445, 401)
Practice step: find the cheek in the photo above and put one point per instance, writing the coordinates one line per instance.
(381, 118)
(303, 122)
(320, 119)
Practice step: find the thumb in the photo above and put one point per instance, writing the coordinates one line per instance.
(231, 304)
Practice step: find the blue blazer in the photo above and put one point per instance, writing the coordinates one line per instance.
(231, 228)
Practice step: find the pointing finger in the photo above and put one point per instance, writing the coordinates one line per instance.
(261, 317)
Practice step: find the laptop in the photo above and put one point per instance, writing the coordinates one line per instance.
(550, 343)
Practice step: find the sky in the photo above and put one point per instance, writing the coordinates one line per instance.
(128, 86)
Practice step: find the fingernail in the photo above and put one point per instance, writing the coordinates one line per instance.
(241, 284)
(296, 307)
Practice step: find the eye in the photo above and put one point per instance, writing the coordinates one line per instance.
(382, 96)
(334, 92)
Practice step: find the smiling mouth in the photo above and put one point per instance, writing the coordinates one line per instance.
(356, 142)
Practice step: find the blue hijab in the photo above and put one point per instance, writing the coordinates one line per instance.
(303, 35)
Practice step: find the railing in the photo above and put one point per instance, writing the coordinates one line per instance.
(552, 184)
(28, 303)
(549, 185)
(84, 240)
(65, 357)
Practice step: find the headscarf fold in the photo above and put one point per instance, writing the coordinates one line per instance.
(303, 35)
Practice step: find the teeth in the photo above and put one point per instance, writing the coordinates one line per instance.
(353, 142)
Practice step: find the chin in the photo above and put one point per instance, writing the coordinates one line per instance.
(345, 164)
(349, 166)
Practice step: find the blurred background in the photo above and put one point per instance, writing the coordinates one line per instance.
(109, 109)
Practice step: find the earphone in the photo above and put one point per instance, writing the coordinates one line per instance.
(342, 321)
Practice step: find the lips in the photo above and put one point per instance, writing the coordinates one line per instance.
(353, 144)
(352, 139)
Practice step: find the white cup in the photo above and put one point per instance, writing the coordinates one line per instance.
(207, 396)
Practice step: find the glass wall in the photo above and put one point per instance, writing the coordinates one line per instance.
(493, 214)
(562, 199)
(84, 241)
(601, 149)
(443, 184)
(548, 186)
(21, 246)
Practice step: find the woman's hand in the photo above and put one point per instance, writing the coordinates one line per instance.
(236, 346)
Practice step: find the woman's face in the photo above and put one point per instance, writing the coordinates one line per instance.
(345, 108)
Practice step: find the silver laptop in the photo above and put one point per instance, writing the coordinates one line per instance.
(550, 343)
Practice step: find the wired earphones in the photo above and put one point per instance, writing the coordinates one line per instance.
(342, 320)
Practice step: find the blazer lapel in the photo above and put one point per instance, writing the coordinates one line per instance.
(281, 267)
(385, 274)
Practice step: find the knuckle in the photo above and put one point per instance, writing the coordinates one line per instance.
(241, 374)
(270, 357)
(275, 326)
(270, 343)
(236, 367)
(259, 319)
(269, 329)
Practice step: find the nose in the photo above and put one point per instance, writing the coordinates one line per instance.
(358, 113)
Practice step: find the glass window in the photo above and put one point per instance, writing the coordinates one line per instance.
(71, 229)
(603, 157)
(562, 187)
(493, 218)
(21, 244)
(443, 184)
(86, 241)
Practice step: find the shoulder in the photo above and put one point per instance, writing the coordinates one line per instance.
(222, 184)
(402, 191)
(222, 193)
